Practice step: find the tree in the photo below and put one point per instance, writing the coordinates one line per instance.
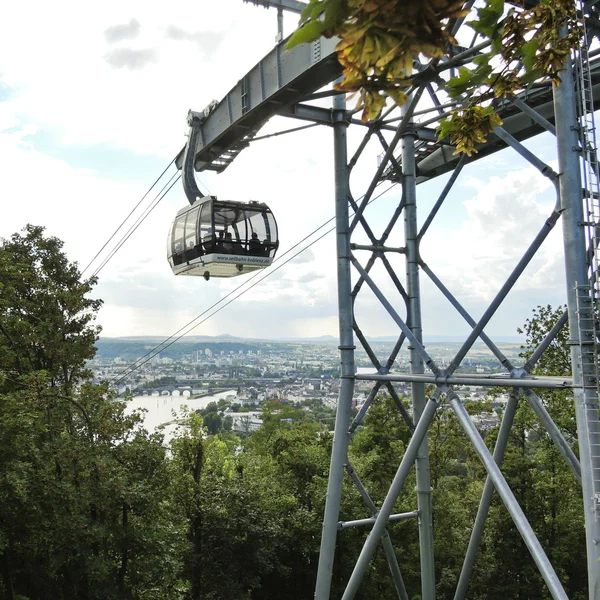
(232, 507)
(213, 422)
(556, 360)
(46, 317)
(83, 487)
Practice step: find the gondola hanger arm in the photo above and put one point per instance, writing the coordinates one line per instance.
(190, 186)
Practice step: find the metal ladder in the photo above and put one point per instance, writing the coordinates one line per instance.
(588, 344)
(588, 295)
(590, 167)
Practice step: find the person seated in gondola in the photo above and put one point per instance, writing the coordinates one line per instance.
(193, 250)
(228, 243)
(178, 253)
(220, 241)
(254, 245)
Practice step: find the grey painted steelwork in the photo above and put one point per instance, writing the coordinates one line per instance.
(284, 84)
(342, 421)
(388, 504)
(190, 186)
(364, 522)
(417, 367)
(537, 552)
(553, 383)
(529, 364)
(486, 497)
(281, 78)
(554, 432)
(386, 542)
(577, 275)
(534, 114)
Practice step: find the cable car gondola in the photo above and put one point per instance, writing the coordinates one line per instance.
(218, 238)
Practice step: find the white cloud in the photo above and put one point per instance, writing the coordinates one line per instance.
(130, 58)
(116, 80)
(118, 33)
(55, 65)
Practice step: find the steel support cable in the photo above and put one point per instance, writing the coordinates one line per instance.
(157, 199)
(175, 337)
(190, 327)
(159, 347)
(127, 217)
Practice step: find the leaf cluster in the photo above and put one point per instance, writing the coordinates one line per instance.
(527, 46)
(381, 39)
(469, 126)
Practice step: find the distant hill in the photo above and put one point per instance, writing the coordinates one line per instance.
(133, 347)
(322, 339)
(455, 339)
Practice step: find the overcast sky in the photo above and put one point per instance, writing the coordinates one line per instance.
(93, 105)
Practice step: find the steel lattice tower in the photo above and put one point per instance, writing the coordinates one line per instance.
(355, 262)
(284, 83)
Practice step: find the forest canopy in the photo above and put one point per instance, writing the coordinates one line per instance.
(93, 506)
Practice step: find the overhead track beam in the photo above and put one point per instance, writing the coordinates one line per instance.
(283, 77)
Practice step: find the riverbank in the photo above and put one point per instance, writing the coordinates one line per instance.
(164, 412)
(205, 394)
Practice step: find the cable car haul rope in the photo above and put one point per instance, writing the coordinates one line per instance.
(217, 238)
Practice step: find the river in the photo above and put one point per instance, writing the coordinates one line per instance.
(160, 408)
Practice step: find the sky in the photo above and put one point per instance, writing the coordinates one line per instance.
(93, 106)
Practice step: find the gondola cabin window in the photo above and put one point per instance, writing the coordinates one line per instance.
(213, 238)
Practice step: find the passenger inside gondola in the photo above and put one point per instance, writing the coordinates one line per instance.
(254, 245)
(228, 243)
(219, 247)
(233, 230)
(238, 246)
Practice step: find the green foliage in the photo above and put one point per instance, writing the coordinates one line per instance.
(92, 506)
(556, 360)
(213, 422)
(380, 40)
(159, 382)
(469, 126)
(46, 318)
